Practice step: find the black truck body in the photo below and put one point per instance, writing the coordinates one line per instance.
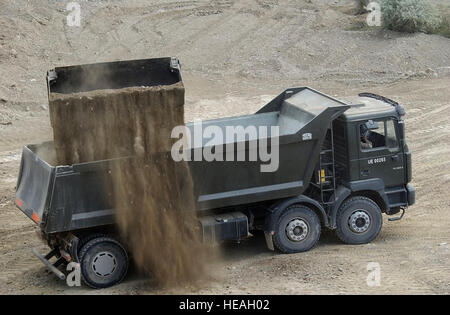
(327, 176)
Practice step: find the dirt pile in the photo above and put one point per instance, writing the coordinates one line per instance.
(153, 195)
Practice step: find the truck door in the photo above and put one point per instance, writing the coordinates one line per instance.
(380, 155)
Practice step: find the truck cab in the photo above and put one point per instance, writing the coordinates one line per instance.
(372, 158)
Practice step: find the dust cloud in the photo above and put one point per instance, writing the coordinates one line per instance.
(153, 195)
(46, 152)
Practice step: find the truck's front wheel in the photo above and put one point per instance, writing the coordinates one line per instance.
(297, 230)
(104, 262)
(359, 221)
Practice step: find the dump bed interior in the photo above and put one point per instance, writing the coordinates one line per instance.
(290, 114)
(113, 75)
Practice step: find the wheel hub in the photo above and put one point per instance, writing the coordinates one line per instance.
(297, 230)
(104, 264)
(359, 221)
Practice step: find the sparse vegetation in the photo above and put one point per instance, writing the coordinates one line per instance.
(407, 16)
(443, 28)
(410, 16)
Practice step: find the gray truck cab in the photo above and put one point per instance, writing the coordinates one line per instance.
(371, 153)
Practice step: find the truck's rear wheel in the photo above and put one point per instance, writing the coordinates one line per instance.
(359, 221)
(297, 230)
(104, 262)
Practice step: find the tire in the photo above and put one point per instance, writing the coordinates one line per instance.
(359, 221)
(85, 239)
(104, 262)
(290, 233)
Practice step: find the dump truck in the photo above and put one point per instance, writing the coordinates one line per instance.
(340, 165)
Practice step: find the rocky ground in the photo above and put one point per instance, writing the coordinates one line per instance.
(235, 56)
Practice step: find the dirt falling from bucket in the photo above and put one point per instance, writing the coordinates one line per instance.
(153, 195)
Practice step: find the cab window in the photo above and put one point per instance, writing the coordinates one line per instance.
(378, 134)
(391, 136)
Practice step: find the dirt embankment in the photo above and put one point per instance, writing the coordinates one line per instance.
(228, 41)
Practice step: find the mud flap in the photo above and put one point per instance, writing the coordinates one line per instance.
(269, 240)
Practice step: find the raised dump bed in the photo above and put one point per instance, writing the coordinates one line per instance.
(99, 113)
(97, 110)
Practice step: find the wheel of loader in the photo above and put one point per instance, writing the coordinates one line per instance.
(359, 221)
(297, 230)
(103, 261)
